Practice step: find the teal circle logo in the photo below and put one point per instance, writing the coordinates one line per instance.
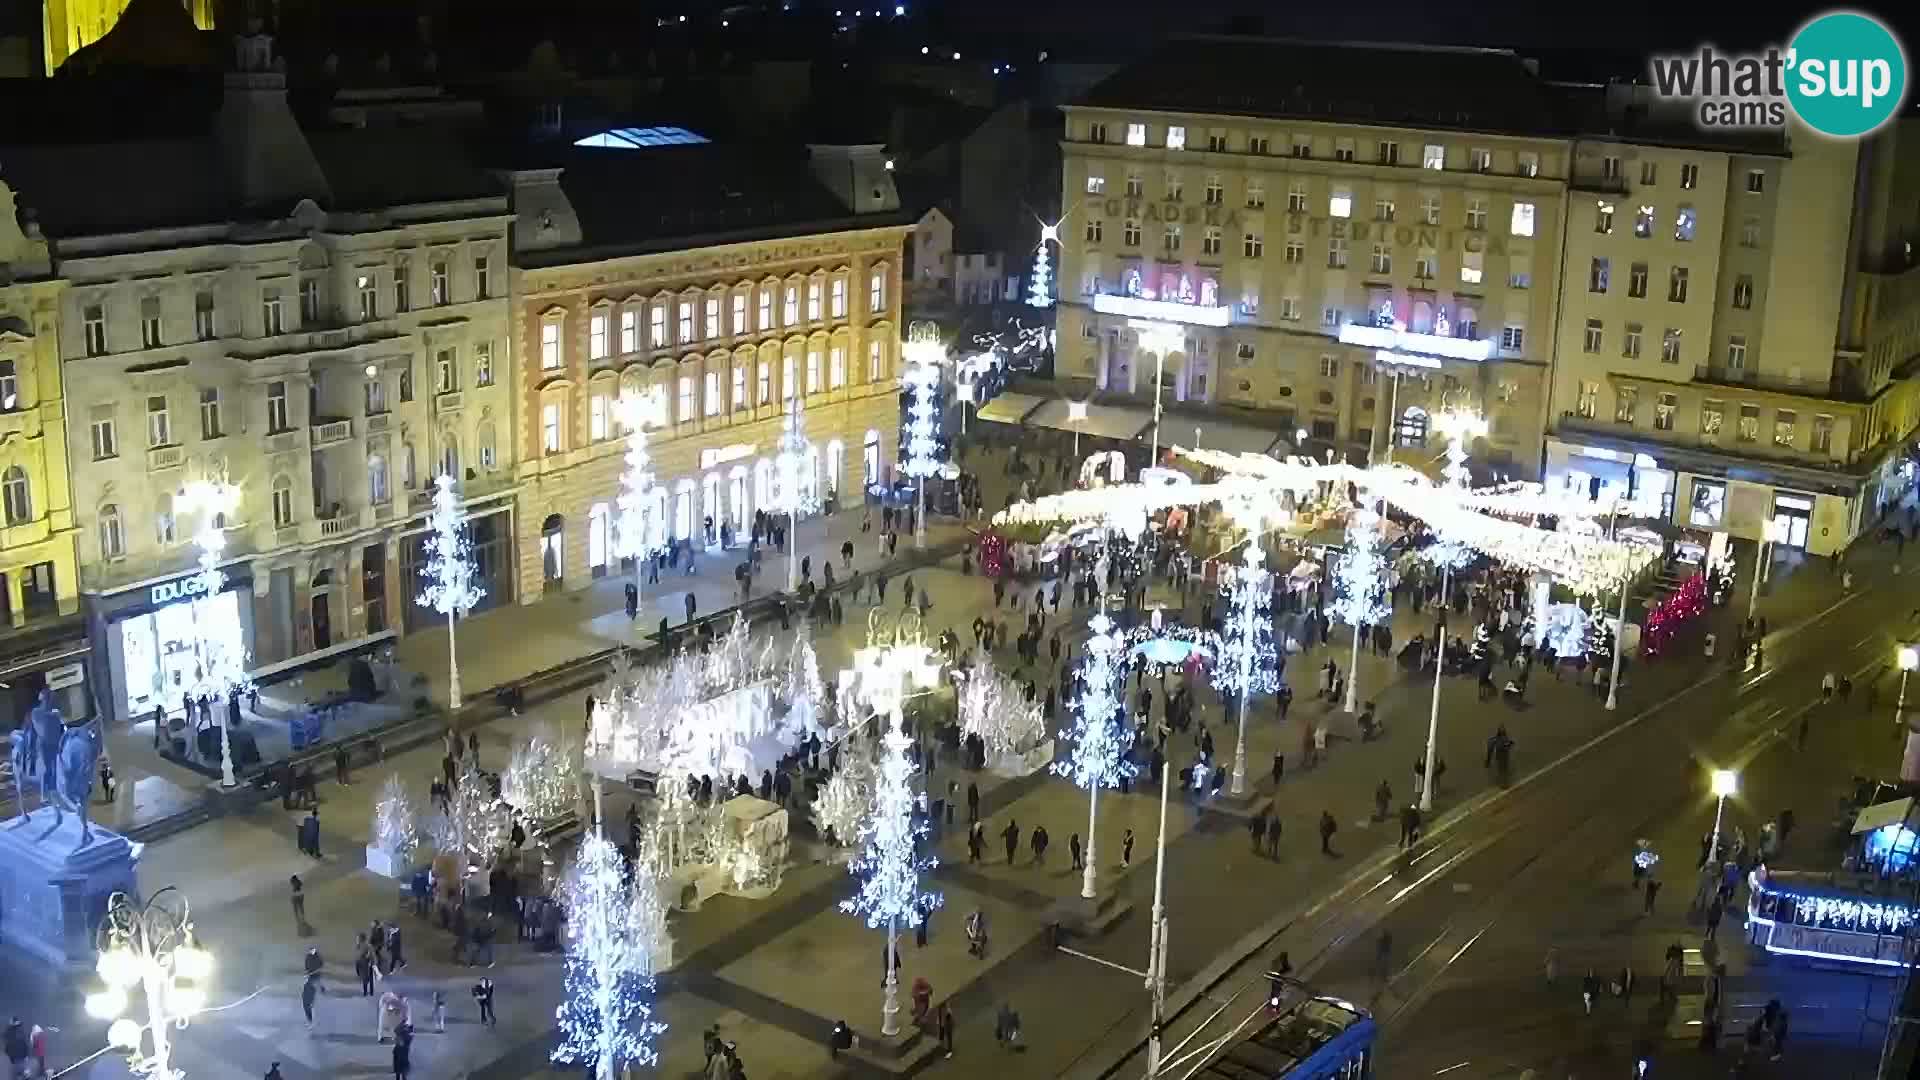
(1846, 74)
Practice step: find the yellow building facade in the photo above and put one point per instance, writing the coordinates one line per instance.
(67, 26)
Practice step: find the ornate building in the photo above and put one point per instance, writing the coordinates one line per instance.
(318, 317)
(68, 26)
(722, 284)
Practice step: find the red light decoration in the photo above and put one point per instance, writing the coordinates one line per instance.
(1673, 613)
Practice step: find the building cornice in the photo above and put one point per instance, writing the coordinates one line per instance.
(724, 259)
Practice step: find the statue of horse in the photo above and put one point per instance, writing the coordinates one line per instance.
(37, 750)
(79, 755)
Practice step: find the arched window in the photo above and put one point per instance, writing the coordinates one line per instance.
(1412, 427)
(489, 449)
(17, 495)
(376, 479)
(870, 458)
(407, 466)
(282, 502)
(449, 455)
(113, 538)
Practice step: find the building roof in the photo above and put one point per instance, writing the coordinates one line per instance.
(674, 196)
(370, 168)
(1417, 86)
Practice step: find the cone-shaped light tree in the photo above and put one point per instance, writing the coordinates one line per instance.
(637, 535)
(616, 930)
(1097, 744)
(889, 864)
(1249, 663)
(794, 491)
(1362, 582)
(450, 572)
(1040, 288)
(925, 355)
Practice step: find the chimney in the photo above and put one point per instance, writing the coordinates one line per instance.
(860, 176)
(268, 160)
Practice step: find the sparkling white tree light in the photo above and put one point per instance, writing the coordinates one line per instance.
(636, 535)
(848, 795)
(220, 669)
(889, 866)
(395, 822)
(450, 571)
(794, 492)
(1039, 290)
(474, 825)
(1249, 662)
(993, 705)
(1361, 579)
(616, 928)
(1097, 754)
(925, 355)
(542, 778)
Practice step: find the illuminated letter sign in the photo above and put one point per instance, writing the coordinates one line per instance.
(1386, 337)
(168, 591)
(1134, 307)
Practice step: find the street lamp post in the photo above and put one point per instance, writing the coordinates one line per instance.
(1725, 783)
(1157, 943)
(1460, 427)
(1774, 533)
(1619, 647)
(149, 947)
(1076, 415)
(221, 672)
(1162, 338)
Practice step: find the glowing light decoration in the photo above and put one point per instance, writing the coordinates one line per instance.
(795, 490)
(473, 826)
(542, 779)
(1039, 293)
(1096, 740)
(1249, 662)
(635, 535)
(993, 705)
(616, 929)
(1362, 582)
(925, 354)
(395, 821)
(450, 572)
(848, 795)
(220, 665)
(1686, 604)
(889, 866)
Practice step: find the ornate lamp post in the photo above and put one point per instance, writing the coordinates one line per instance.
(636, 535)
(221, 672)
(150, 948)
(1460, 427)
(925, 355)
(1725, 782)
(450, 572)
(1162, 338)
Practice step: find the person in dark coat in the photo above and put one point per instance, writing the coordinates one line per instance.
(402, 1051)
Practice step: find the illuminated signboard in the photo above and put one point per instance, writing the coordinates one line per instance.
(1386, 337)
(1389, 358)
(1134, 307)
(710, 458)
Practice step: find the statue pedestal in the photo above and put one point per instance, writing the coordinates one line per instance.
(54, 890)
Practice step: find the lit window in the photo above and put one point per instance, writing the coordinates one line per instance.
(1434, 157)
(1689, 175)
(1630, 341)
(1664, 407)
(813, 301)
(1683, 223)
(1643, 222)
(597, 336)
(1176, 137)
(685, 321)
(1340, 203)
(1522, 224)
(711, 318)
(1603, 218)
(1473, 267)
(483, 363)
(686, 399)
(629, 330)
(837, 298)
(1096, 185)
(837, 367)
(1670, 345)
(597, 417)
(790, 306)
(1136, 134)
(1677, 285)
(657, 326)
(550, 427)
(714, 399)
(1594, 336)
(550, 345)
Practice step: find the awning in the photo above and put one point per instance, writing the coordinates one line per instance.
(1009, 408)
(1228, 435)
(1880, 815)
(1103, 421)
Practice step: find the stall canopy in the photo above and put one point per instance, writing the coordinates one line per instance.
(1009, 408)
(1883, 814)
(1103, 421)
(1230, 436)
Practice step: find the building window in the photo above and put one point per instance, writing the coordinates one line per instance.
(376, 395)
(163, 528)
(210, 413)
(1136, 185)
(657, 326)
(449, 453)
(1096, 132)
(1677, 285)
(439, 289)
(1329, 367)
(1749, 430)
(1383, 208)
(790, 306)
(1176, 137)
(1689, 176)
(1750, 232)
(685, 412)
(597, 417)
(1302, 146)
(1480, 160)
(876, 363)
(309, 302)
(1522, 222)
(1343, 149)
(1336, 253)
(813, 301)
(1822, 439)
(159, 422)
(550, 427)
(740, 387)
(1433, 156)
(837, 367)
(877, 291)
(1743, 291)
(113, 537)
(106, 440)
(205, 327)
(1476, 213)
(483, 363)
(1625, 401)
(1670, 345)
(1684, 222)
(1599, 274)
(1170, 239)
(446, 371)
(836, 298)
(1251, 246)
(1210, 240)
(1589, 399)
(1783, 421)
(1387, 153)
(740, 324)
(1382, 262)
(1096, 185)
(1737, 353)
(1526, 163)
(813, 371)
(1473, 267)
(1712, 415)
(282, 502)
(1637, 281)
(1297, 197)
(1513, 338)
(1664, 408)
(1340, 203)
(369, 292)
(1630, 344)
(1214, 193)
(276, 407)
(1256, 195)
(377, 492)
(406, 380)
(1594, 336)
(1643, 222)
(272, 317)
(1290, 308)
(685, 322)
(1136, 134)
(17, 496)
(489, 448)
(150, 336)
(482, 277)
(597, 336)
(1603, 218)
(1519, 272)
(1257, 144)
(766, 378)
(1130, 232)
(1296, 251)
(550, 345)
(1093, 230)
(402, 286)
(1756, 181)
(714, 402)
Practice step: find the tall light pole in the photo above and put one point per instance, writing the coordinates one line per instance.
(795, 495)
(1076, 415)
(925, 355)
(1619, 644)
(1157, 942)
(1162, 338)
(1460, 427)
(1775, 532)
(1097, 755)
(636, 536)
(451, 589)
(149, 947)
(1247, 649)
(1725, 783)
(221, 671)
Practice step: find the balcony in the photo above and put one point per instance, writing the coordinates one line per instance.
(281, 442)
(166, 457)
(342, 523)
(24, 422)
(377, 423)
(450, 402)
(1823, 389)
(331, 432)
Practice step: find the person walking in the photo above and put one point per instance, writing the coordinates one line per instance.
(1328, 827)
(1589, 986)
(1073, 847)
(1011, 836)
(363, 966)
(309, 991)
(1273, 837)
(1652, 890)
(1039, 845)
(15, 1042)
(973, 802)
(298, 897)
(946, 1030)
(1126, 850)
(402, 1051)
(483, 996)
(1715, 910)
(37, 1049)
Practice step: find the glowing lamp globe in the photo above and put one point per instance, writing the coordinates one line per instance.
(1725, 782)
(1909, 658)
(190, 961)
(118, 967)
(185, 999)
(124, 1034)
(107, 1004)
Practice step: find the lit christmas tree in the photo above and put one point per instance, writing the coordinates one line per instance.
(616, 931)
(1039, 290)
(794, 491)
(451, 589)
(848, 795)
(993, 705)
(1249, 662)
(889, 866)
(1097, 741)
(925, 355)
(219, 671)
(1361, 581)
(474, 825)
(635, 535)
(395, 822)
(542, 779)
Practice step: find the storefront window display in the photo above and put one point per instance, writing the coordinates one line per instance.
(159, 649)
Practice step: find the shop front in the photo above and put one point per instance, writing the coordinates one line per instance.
(1610, 473)
(146, 641)
(491, 534)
